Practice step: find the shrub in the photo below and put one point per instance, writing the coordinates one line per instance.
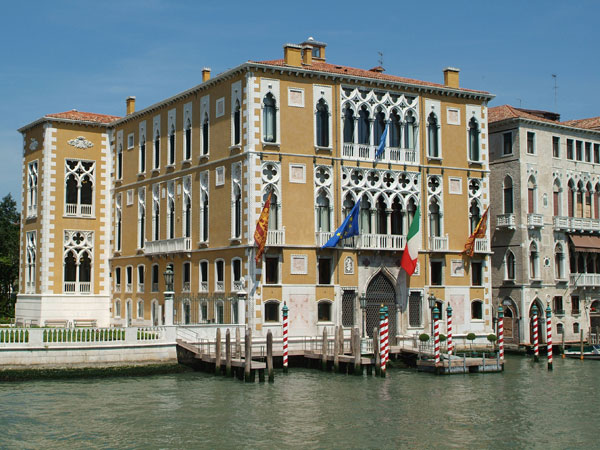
(471, 337)
(492, 338)
(423, 337)
(443, 338)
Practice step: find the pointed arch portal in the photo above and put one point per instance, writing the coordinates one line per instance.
(381, 291)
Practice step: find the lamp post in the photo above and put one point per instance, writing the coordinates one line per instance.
(432, 302)
(169, 294)
(363, 307)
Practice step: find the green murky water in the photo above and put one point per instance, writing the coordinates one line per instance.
(524, 407)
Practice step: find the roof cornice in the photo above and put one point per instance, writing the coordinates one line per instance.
(557, 126)
(46, 119)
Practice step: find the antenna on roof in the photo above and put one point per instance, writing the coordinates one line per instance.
(380, 60)
(519, 102)
(555, 91)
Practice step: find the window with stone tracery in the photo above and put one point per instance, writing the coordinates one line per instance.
(171, 210)
(236, 201)
(32, 188)
(79, 187)
(156, 212)
(271, 179)
(77, 259)
(323, 199)
(30, 261)
(187, 207)
(435, 208)
(475, 206)
(322, 118)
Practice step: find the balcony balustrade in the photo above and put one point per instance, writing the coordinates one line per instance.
(576, 224)
(128, 287)
(535, 221)
(183, 244)
(77, 287)
(438, 243)
(220, 287)
(276, 238)
(204, 286)
(367, 152)
(584, 280)
(506, 221)
(482, 245)
(238, 286)
(78, 210)
(367, 241)
(140, 287)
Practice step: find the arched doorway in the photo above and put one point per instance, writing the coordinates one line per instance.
(381, 292)
(511, 321)
(541, 313)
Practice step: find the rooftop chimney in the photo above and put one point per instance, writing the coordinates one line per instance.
(130, 104)
(307, 55)
(205, 74)
(292, 55)
(451, 77)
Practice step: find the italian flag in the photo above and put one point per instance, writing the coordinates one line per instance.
(413, 242)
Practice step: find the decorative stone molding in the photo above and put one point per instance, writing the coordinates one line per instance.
(80, 142)
(34, 144)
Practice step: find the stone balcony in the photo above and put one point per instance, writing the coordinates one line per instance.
(276, 238)
(367, 152)
(506, 221)
(365, 241)
(175, 245)
(576, 224)
(535, 221)
(584, 280)
(482, 245)
(438, 243)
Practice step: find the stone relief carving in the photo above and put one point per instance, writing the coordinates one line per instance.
(34, 144)
(348, 266)
(80, 142)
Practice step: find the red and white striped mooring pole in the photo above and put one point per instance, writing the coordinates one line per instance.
(436, 332)
(285, 337)
(449, 329)
(549, 335)
(501, 333)
(536, 350)
(383, 338)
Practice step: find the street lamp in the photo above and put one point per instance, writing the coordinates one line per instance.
(169, 294)
(363, 307)
(432, 301)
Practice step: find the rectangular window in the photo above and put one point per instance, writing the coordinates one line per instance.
(477, 273)
(507, 149)
(220, 275)
(130, 139)
(187, 267)
(569, 148)
(579, 150)
(204, 276)
(272, 270)
(118, 279)
(597, 153)
(129, 279)
(155, 278)
(530, 143)
(414, 310)
(588, 152)
(437, 270)
(557, 304)
(575, 304)
(140, 278)
(348, 308)
(556, 146)
(324, 266)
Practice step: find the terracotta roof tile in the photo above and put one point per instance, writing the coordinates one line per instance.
(83, 116)
(592, 123)
(320, 66)
(503, 112)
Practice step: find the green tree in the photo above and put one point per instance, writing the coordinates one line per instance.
(9, 254)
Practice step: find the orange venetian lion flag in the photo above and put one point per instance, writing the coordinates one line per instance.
(262, 226)
(478, 233)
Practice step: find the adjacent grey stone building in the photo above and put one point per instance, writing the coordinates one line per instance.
(545, 218)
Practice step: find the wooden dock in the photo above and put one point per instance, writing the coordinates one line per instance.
(457, 364)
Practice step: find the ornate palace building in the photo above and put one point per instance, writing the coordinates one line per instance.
(109, 202)
(546, 214)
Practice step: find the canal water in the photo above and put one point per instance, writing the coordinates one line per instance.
(524, 407)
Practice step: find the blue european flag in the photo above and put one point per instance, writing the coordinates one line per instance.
(381, 148)
(348, 228)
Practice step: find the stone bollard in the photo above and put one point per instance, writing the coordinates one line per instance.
(228, 353)
(270, 357)
(324, 352)
(336, 350)
(218, 352)
(248, 355)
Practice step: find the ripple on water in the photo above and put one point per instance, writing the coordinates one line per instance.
(524, 407)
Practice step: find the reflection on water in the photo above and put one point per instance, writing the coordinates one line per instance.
(524, 407)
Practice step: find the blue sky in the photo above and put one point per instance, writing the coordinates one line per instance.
(90, 56)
